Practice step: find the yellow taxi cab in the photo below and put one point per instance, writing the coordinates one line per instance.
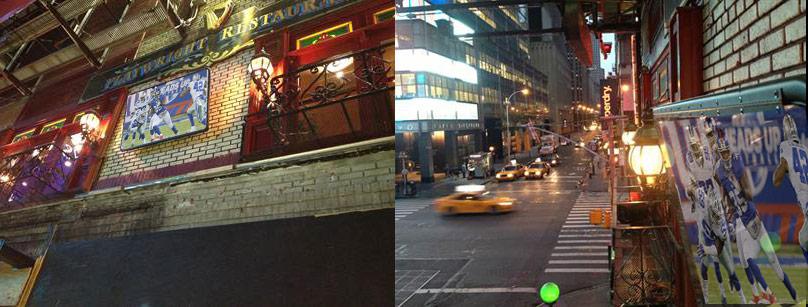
(537, 170)
(510, 172)
(472, 199)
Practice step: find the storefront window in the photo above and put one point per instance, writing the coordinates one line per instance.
(326, 34)
(663, 82)
(405, 85)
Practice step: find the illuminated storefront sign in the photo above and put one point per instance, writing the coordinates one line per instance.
(433, 108)
(608, 105)
(214, 47)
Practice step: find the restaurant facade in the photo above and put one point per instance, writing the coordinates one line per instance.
(223, 114)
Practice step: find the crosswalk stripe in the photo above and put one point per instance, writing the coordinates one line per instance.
(575, 222)
(580, 226)
(581, 247)
(586, 235)
(573, 218)
(579, 262)
(601, 230)
(602, 254)
(583, 241)
(575, 270)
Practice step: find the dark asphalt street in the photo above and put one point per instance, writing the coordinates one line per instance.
(499, 260)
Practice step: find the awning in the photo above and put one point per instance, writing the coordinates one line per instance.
(756, 98)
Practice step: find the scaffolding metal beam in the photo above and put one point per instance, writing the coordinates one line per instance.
(75, 38)
(15, 82)
(460, 6)
(172, 17)
(513, 33)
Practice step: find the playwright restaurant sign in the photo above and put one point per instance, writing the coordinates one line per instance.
(214, 47)
(608, 93)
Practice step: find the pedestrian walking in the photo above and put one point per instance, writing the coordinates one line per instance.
(464, 169)
(404, 173)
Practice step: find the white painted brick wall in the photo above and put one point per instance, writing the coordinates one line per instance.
(762, 40)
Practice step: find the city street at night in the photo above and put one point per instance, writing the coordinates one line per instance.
(501, 259)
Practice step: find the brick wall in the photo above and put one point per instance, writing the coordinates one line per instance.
(747, 42)
(360, 181)
(219, 145)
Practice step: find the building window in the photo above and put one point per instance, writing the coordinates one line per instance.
(663, 83)
(405, 85)
(384, 15)
(326, 34)
(24, 135)
(54, 125)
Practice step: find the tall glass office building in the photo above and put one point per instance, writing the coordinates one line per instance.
(450, 89)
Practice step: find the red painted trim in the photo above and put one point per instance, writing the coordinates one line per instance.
(691, 66)
(165, 172)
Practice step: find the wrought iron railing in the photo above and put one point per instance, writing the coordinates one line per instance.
(37, 174)
(644, 273)
(343, 99)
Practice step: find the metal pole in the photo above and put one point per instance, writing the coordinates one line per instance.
(508, 125)
(507, 130)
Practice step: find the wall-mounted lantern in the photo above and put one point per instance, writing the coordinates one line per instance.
(260, 69)
(646, 158)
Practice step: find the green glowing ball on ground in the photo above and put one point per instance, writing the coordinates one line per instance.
(549, 293)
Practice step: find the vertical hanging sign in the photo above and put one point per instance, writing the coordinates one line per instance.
(609, 105)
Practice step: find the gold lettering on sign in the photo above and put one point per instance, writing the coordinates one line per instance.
(607, 101)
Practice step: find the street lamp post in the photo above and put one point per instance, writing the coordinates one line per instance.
(508, 122)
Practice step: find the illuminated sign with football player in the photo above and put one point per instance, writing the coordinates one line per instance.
(168, 110)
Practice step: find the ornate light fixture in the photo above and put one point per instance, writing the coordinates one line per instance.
(260, 69)
(89, 123)
(628, 134)
(646, 157)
